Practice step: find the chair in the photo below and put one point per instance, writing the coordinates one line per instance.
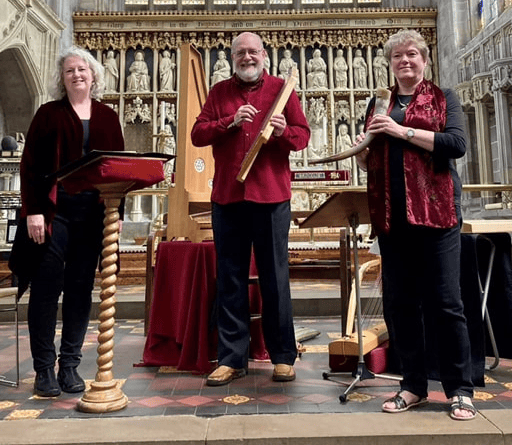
(12, 292)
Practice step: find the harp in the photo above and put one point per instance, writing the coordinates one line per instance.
(189, 199)
(374, 330)
(349, 207)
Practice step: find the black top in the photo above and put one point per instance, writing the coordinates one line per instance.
(85, 143)
(443, 146)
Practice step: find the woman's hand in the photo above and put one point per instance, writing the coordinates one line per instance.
(384, 124)
(361, 156)
(36, 228)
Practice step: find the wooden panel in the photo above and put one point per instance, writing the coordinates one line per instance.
(336, 211)
(194, 165)
(487, 226)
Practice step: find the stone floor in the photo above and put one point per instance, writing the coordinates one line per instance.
(153, 391)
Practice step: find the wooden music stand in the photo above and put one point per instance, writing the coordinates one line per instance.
(348, 208)
(114, 174)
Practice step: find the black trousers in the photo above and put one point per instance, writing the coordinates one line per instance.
(68, 267)
(422, 300)
(237, 229)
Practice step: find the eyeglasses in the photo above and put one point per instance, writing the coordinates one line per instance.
(251, 52)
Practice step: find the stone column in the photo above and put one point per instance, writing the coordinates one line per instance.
(6, 178)
(15, 183)
(483, 143)
(136, 213)
(330, 64)
(369, 62)
(303, 70)
(503, 127)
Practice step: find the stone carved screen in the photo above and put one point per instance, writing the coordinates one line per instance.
(338, 54)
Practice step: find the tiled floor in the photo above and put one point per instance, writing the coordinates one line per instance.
(164, 391)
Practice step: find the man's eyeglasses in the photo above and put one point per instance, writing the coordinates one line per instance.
(251, 52)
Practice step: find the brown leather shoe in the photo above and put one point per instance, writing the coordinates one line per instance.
(223, 375)
(283, 373)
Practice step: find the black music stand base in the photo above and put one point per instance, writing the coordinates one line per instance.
(361, 372)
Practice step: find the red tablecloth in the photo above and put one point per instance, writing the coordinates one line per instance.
(180, 331)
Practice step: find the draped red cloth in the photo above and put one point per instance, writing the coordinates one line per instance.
(428, 182)
(181, 332)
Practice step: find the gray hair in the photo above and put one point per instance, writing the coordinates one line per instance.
(234, 44)
(58, 90)
(407, 36)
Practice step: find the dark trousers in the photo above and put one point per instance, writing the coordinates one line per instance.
(68, 267)
(264, 227)
(421, 294)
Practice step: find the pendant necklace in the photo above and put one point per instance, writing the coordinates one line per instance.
(403, 106)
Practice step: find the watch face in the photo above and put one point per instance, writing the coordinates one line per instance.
(410, 133)
(199, 165)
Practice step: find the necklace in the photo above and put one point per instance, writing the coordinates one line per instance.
(403, 106)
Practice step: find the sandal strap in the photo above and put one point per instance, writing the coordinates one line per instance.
(460, 404)
(398, 400)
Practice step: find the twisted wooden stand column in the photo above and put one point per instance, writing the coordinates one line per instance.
(105, 395)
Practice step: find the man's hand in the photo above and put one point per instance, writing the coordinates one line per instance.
(245, 113)
(278, 121)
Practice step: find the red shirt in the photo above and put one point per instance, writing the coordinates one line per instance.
(269, 180)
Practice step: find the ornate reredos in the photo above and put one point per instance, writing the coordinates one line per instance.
(330, 97)
(168, 30)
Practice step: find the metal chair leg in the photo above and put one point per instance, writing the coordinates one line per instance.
(5, 293)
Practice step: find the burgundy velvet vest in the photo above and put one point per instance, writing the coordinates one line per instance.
(428, 184)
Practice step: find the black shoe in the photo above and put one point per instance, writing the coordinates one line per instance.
(69, 380)
(45, 384)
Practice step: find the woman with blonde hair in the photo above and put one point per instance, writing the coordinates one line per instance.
(59, 237)
(414, 197)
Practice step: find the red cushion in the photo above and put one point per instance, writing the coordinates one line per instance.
(136, 172)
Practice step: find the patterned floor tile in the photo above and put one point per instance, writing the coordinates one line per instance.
(157, 391)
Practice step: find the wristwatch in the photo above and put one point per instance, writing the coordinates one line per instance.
(410, 134)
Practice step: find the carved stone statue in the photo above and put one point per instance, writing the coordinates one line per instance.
(138, 80)
(317, 119)
(111, 65)
(340, 70)
(360, 70)
(344, 142)
(221, 69)
(167, 145)
(380, 69)
(300, 201)
(317, 199)
(167, 71)
(286, 65)
(317, 72)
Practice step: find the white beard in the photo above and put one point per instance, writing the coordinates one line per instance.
(250, 74)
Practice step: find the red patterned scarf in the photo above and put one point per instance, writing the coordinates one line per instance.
(428, 183)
